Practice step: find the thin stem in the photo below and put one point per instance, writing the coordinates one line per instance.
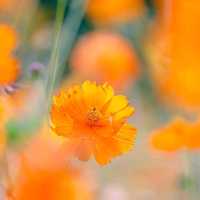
(70, 30)
(186, 164)
(189, 179)
(53, 65)
(67, 35)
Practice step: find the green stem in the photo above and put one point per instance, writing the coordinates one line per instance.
(66, 34)
(54, 65)
(186, 164)
(189, 181)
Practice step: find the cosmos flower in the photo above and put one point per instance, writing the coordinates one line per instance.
(105, 57)
(173, 51)
(94, 120)
(112, 11)
(40, 175)
(178, 134)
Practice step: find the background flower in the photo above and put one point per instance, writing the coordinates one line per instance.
(114, 11)
(174, 53)
(105, 57)
(39, 177)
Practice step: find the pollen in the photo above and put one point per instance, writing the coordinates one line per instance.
(93, 116)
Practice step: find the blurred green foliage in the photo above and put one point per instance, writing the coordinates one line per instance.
(18, 130)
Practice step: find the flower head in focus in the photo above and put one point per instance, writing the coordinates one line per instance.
(105, 57)
(94, 120)
(112, 11)
(177, 135)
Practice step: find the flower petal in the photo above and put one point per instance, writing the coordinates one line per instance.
(102, 152)
(117, 104)
(123, 114)
(96, 95)
(109, 147)
(61, 122)
(166, 141)
(125, 138)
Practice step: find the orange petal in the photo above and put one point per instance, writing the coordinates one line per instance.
(117, 103)
(102, 153)
(126, 137)
(123, 114)
(96, 95)
(166, 141)
(192, 137)
(109, 147)
(62, 124)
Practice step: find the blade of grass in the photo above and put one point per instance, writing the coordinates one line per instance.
(53, 64)
(64, 39)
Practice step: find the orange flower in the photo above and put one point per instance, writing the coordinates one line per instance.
(40, 175)
(177, 135)
(105, 57)
(174, 52)
(94, 120)
(114, 11)
(9, 66)
(8, 39)
(9, 70)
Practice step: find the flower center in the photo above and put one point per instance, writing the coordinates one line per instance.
(93, 116)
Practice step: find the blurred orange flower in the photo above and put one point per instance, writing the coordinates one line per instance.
(106, 57)
(9, 66)
(8, 39)
(40, 175)
(94, 120)
(9, 70)
(174, 52)
(177, 135)
(114, 11)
